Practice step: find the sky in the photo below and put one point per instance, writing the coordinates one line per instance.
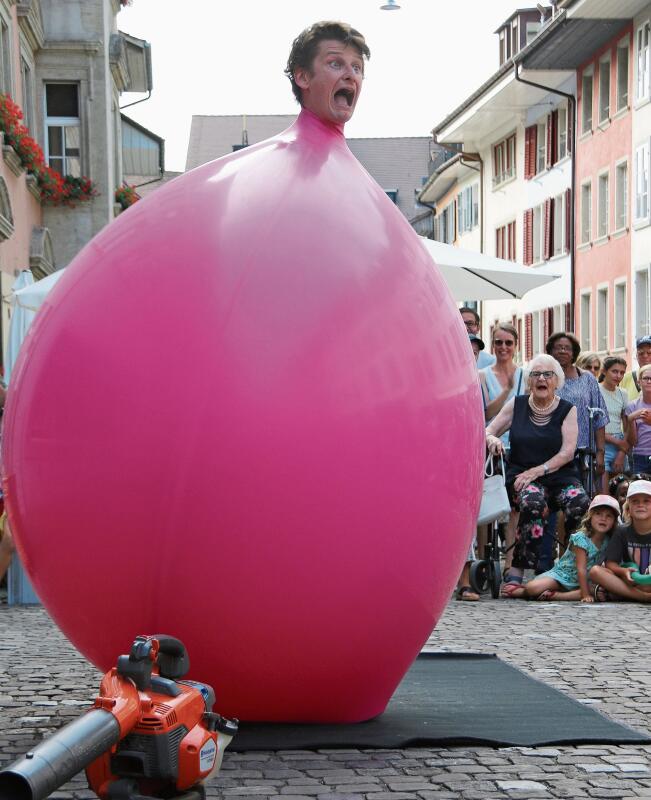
(228, 56)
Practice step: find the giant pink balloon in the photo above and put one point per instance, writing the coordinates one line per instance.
(248, 416)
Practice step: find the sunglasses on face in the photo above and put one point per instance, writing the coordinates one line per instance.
(547, 374)
(505, 342)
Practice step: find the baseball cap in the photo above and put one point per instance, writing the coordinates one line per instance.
(639, 487)
(643, 340)
(474, 338)
(601, 500)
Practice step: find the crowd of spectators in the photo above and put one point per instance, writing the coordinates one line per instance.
(575, 432)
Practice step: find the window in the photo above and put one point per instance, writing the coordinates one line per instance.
(620, 315)
(537, 234)
(603, 206)
(505, 241)
(468, 208)
(28, 93)
(446, 224)
(63, 138)
(504, 160)
(561, 133)
(621, 196)
(515, 38)
(586, 102)
(642, 51)
(642, 302)
(5, 57)
(586, 212)
(541, 138)
(558, 241)
(642, 182)
(622, 75)
(585, 321)
(604, 91)
(602, 319)
(532, 30)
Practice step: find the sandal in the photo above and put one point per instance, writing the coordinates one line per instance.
(548, 594)
(467, 594)
(509, 589)
(600, 594)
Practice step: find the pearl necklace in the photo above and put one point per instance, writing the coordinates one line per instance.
(541, 416)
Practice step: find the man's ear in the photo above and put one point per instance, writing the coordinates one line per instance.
(302, 78)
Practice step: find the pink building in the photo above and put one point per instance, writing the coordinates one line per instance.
(603, 189)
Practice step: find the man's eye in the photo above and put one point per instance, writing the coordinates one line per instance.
(335, 64)
(357, 69)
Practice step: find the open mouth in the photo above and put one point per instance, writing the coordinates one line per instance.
(344, 97)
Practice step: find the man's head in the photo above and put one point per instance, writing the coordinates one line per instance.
(470, 319)
(638, 502)
(643, 345)
(326, 68)
(477, 344)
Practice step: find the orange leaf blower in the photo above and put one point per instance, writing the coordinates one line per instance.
(149, 736)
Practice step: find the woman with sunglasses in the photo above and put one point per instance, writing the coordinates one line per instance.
(541, 471)
(638, 414)
(502, 380)
(591, 362)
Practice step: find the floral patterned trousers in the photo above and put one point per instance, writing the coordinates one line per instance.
(533, 502)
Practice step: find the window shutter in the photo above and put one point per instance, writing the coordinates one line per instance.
(530, 136)
(547, 243)
(568, 319)
(545, 322)
(554, 118)
(549, 142)
(569, 211)
(528, 237)
(528, 337)
(571, 106)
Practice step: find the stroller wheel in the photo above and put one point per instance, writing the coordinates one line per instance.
(495, 579)
(479, 576)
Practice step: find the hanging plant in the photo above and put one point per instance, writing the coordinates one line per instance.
(126, 196)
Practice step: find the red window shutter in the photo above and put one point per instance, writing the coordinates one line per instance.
(549, 222)
(568, 318)
(569, 212)
(554, 119)
(545, 325)
(530, 136)
(528, 337)
(570, 124)
(528, 237)
(511, 241)
(548, 142)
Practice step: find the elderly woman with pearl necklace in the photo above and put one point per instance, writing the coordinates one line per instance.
(541, 473)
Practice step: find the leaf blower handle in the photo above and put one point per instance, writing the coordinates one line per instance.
(56, 760)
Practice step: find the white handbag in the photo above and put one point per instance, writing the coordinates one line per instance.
(494, 500)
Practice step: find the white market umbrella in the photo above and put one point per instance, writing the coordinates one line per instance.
(21, 319)
(476, 276)
(27, 298)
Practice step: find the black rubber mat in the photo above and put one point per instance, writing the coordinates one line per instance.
(454, 699)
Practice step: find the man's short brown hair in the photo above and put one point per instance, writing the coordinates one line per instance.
(306, 44)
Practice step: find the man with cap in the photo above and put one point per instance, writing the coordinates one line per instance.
(472, 322)
(477, 344)
(630, 545)
(631, 381)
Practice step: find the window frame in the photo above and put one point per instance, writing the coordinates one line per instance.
(51, 122)
(641, 215)
(506, 149)
(6, 53)
(585, 320)
(622, 163)
(588, 73)
(642, 300)
(603, 225)
(603, 111)
(622, 46)
(541, 147)
(602, 321)
(562, 132)
(642, 86)
(619, 336)
(540, 210)
(586, 239)
(559, 220)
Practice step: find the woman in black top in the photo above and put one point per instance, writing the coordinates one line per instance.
(541, 471)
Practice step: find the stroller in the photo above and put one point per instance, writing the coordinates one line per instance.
(486, 573)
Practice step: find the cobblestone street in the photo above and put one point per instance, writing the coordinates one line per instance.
(595, 653)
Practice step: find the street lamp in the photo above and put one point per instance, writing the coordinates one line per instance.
(390, 5)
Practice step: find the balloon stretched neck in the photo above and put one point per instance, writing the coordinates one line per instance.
(308, 122)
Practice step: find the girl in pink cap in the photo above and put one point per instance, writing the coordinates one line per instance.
(568, 578)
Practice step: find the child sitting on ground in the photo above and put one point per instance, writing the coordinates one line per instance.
(568, 579)
(631, 544)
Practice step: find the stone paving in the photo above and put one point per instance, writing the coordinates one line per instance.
(596, 653)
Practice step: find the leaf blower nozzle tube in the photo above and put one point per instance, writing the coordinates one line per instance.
(48, 766)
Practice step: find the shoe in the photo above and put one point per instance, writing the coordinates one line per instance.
(467, 594)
